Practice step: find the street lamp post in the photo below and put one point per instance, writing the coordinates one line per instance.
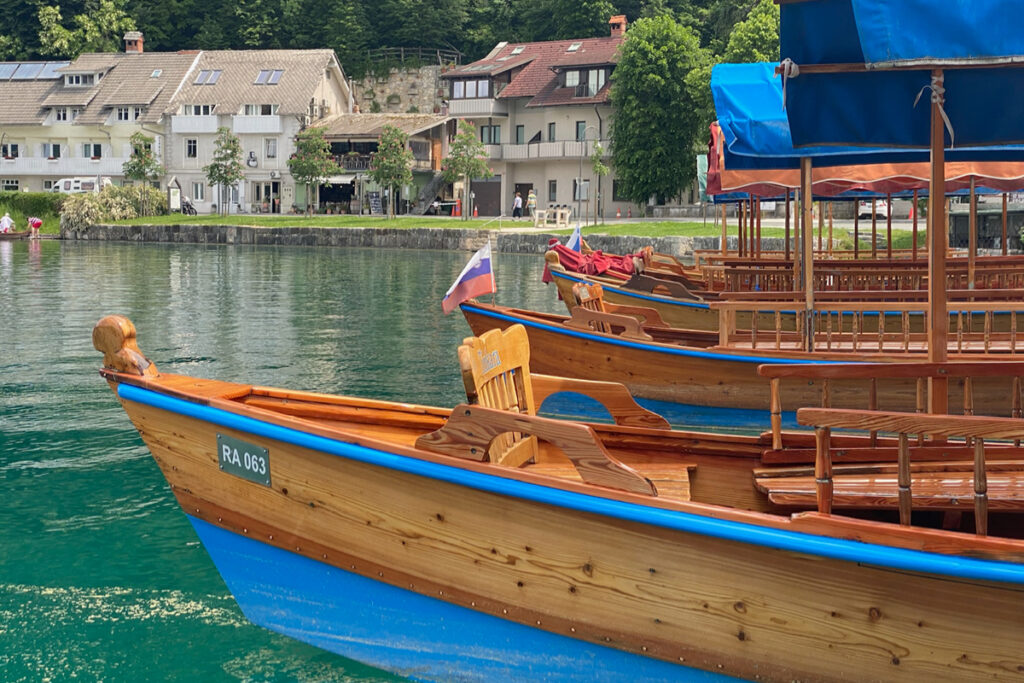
(579, 179)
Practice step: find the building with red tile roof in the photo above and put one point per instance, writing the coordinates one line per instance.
(540, 108)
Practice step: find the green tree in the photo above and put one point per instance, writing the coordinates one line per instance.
(100, 30)
(756, 39)
(600, 170)
(142, 165)
(226, 168)
(392, 163)
(312, 163)
(564, 19)
(467, 159)
(656, 124)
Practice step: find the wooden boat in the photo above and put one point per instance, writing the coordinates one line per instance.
(720, 369)
(11, 236)
(487, 543)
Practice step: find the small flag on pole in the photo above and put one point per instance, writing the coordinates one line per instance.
(575, 239)
(476, 279)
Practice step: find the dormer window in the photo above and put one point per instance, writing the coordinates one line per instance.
(79, 80)
(197, 109)
(207, 77)
(129, 113)
(471, 89)
(269, 77)
(572, 79)
(64, 114)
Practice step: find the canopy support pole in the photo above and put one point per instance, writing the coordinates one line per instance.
(1004, 224)
(856, 230)
(808, 249)
(972, 238)
(741, 246)
(821, 224)
(830, 204)
(751, 223)
(874, 230)
(938, 315)
(787, 227)
(913, 246)
(725, 230)
(888, 227)
(758, 204)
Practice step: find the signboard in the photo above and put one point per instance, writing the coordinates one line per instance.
(375, 206)
(243, 459)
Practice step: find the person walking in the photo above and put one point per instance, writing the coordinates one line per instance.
(517, 207)
(531, 202)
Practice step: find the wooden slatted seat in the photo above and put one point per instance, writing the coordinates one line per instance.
(500, 423)
(594, 313)
(945, 485)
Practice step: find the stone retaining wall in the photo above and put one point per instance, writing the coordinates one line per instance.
(410, 238)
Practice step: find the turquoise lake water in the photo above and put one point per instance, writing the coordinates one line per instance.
(101, 576)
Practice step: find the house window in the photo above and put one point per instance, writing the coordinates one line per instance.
(520, 134)
(197, 109)
(617, 195)
(490, 135)
(259, 109)
(581, 131)
(458, 90)
(51, 150)
(91, 150)
(48, 185)
(137, 113)
(9, 184)
(156, 73)
(595, 81)
(124, 114)
(551, 132)
(191, 148)
(61, 114)
(270, 147)
(483, 88)
(581, 191)
(207, 77)
(572, 79)
(269, 77)
(552, 190)
(9, 150)
(470, 89)
(198, 192)
(79, 80)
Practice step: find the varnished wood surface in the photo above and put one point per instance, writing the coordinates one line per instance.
(721, 605)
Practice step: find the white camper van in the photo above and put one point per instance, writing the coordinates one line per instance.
(81, 184)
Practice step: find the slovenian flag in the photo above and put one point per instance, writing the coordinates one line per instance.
(575, 239)
(476, 279)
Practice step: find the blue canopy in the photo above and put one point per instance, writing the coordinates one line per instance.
(876, 106)
(756, 132)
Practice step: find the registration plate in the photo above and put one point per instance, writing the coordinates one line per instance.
(243, 459)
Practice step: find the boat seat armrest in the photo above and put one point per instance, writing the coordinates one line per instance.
(648, 316)
(599, 321)
(615, 398)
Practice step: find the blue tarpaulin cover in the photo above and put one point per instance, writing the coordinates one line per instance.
(876, 107)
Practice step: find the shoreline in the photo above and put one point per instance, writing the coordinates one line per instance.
(448, 239)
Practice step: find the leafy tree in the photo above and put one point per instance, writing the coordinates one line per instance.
(756, 39)
(142, 165)
(467, 158)
(563, 19)
(100, 30)
(392, 163)
(226, 168)
(312, 163)
(600, 170)
(656, 123)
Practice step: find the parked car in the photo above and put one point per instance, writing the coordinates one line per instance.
(881, 208)
(81, 184)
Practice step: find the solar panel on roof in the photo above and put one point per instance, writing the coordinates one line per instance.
(7, 70)
(27, 71)
(49, 71)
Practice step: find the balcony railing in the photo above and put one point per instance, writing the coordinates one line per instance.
(353, 162)
(478, 107)
(566, 149)
(256, 124)
(194, 124)
(64, 166)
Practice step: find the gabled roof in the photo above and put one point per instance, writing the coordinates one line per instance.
(23, 88)
(146, 79)
(371, 125)
(541, 62)
(301, 73)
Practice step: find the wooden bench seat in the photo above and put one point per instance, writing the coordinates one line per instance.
(935, 485)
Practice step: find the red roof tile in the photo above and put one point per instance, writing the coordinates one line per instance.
(537, 76)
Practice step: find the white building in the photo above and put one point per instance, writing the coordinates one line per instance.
(540, 108)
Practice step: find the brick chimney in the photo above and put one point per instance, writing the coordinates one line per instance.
(618, 25)
(133, 41)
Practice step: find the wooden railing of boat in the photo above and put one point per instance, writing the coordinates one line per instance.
(989, 326)
(871, 373)
(953, 483)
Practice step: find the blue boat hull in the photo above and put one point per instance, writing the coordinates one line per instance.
(403, 631)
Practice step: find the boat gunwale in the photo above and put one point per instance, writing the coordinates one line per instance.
(752, 528)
